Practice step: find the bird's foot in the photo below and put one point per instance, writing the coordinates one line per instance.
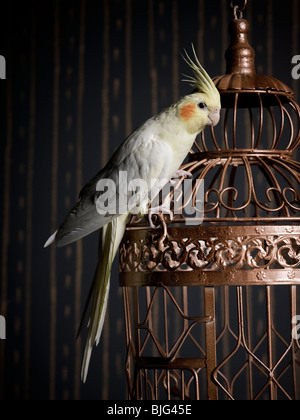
(164, 209)
(182, 173)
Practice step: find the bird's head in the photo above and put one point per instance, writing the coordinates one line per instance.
(198, 111)
(202, 107)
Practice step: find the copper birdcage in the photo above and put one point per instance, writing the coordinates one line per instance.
(210, 308)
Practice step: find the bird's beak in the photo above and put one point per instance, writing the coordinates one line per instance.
(213, 117)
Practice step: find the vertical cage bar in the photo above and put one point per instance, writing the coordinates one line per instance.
(270, 341)
(210, 338)
(166, 322)
(293, 296)
(155, 384)
(129, 341)
(249, 315)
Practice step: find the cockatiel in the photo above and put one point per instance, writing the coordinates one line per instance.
(155, 150)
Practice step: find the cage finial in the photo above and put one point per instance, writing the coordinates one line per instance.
(240, 56)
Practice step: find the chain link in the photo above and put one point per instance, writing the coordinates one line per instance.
(238, 9)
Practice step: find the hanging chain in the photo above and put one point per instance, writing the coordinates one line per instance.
(238, 9)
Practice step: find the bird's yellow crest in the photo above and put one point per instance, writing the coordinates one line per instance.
(200, 81)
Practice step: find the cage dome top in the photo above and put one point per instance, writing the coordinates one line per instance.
(246, 161)
(241, 74)
(260, 113)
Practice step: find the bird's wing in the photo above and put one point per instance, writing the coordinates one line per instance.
(142, 156)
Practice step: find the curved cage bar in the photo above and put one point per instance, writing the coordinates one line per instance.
(211, 298)
(238, 187)
(254, 129)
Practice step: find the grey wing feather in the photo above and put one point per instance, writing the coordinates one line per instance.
(84, 218)
(80, 222)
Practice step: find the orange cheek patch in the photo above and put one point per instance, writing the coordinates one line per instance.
(187, 111)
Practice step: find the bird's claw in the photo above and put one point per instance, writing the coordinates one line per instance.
(182, 173)
(163, 209)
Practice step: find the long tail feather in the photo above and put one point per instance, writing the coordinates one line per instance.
(111, 237)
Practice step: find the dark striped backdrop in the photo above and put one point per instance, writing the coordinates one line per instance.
(81, 75)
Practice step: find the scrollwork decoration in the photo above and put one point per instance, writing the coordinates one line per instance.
(213, 253)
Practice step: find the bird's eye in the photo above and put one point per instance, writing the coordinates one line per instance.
(202, 105)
